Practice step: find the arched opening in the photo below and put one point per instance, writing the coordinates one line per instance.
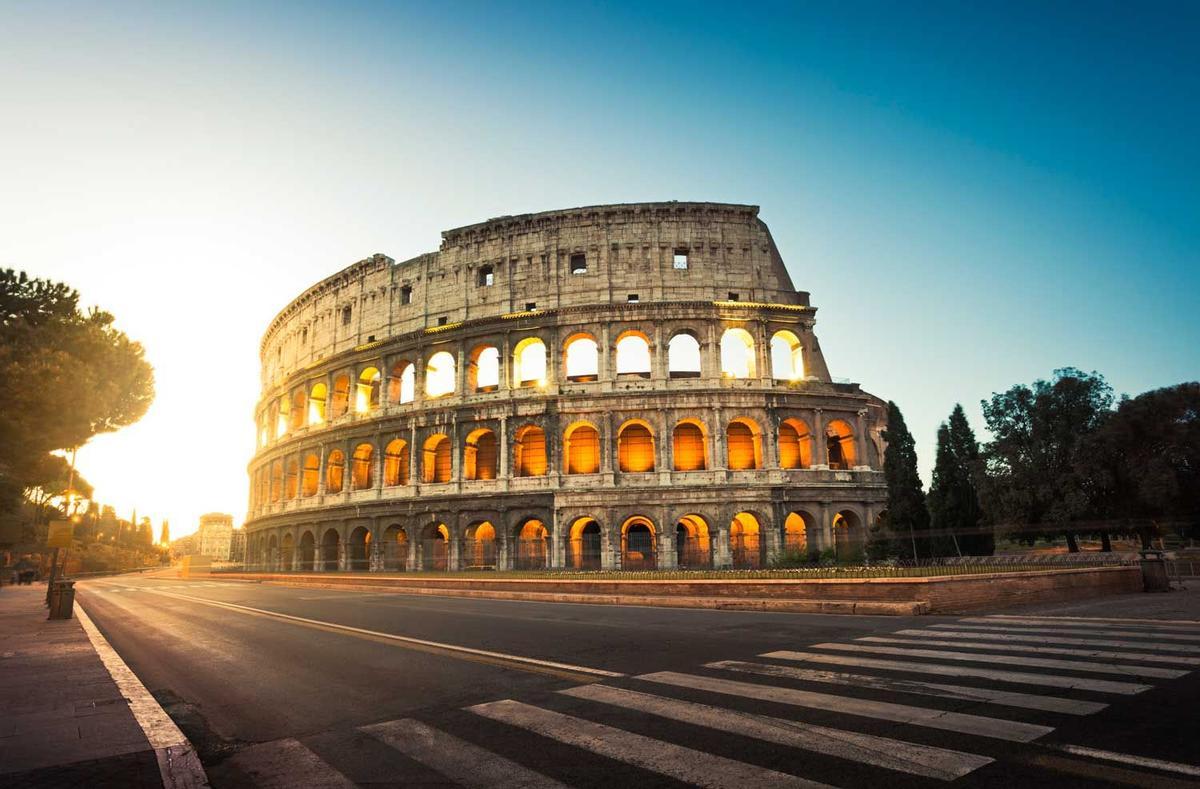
(839, 437)
(683, 356)
(480, 455)
(439, 375)
(795, 536)
(360, 477)
(360, 549)
(367, 395)
(310, 475)
(402, 387)
(795, 444)
(635, 447)
(483, 371)
(737, 354)
(581, 358)
(637, 544)
(299, 409)
(317, 400)
(287, 553)
(263, 430)
(787, 357)
(435, 462)
(435, 547)
(532, 539)
(693, 543)
(335, 471)
(583, 548)
(743, 441)
(291, 487)
(848, 538)
(633, 355)
(276, 480)
(272, 562)
(480, 553)
(308, 552)
(341, 396)
(395, 463)
(281, 409)
(530, 451)
(745, 544)
(581, 445)
(395, 548)
(329, 550)
(529, 363)
(689, 450)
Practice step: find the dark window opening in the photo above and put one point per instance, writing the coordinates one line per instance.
(680, 261)
(633, 298)
(733, 296)
(371, 338)
(487, 276)
(530, 306)
(304, 335)
(406, 294)
(345, 316)
(578, 263)
(442, 321)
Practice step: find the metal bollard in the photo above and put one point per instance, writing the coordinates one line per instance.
(62, 600)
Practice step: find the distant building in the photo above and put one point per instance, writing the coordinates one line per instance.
(216, 535)
(237, 546)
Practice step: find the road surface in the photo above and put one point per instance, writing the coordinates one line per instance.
(280, 686)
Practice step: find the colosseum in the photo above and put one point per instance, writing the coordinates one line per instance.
(632, 386)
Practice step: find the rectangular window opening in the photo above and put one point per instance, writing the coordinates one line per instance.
(579, 263)
(530, 306)
(633, 298)
(442, 321)
(406, 294)
(680, 261)
(733, 296)
(487, 276)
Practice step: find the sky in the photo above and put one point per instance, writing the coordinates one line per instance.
(974, 194)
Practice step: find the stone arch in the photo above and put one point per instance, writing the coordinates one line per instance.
(483, 368)
(746, 541)
(581, 358)
(529, 451)
(480, 454)
(402, 383)
(693, 542)
(283, 410)
(795, 444)
(531, 545)
(359, 549)
(308, 551)
(276, 480)
(849, 536)
(318, 399)
(299, 408)
(744, 445)
(310, 475)
(529, 363)
(440, 375)
(738, 354)
(683, 355)
(689, 446)
(291, 487)
(632, 350)
(479, 546)
(370, 386)
(341, 396)
(361, 472)
(787, 356)
(395, 463)
(395, 548)
(635, 447)
(581, 448)
(435, 547)
(330, 550)
(436, 463)
(639, 543)
(335, 471)
(287, 552)
(585, 539)
(800, 535)
(839, 437)
(273, 553)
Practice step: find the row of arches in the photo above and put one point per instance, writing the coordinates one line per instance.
(691, 449)
(369, 389)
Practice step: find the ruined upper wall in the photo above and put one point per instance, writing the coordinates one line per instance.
(628, 249)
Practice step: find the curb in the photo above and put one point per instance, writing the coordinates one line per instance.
(178, 763)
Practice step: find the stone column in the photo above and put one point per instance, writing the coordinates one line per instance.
(820, 441)
(343, 554)
(860, 440)
(722, 558)
(826, 526)
(667, 558)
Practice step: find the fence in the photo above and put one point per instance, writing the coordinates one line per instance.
(584, 553)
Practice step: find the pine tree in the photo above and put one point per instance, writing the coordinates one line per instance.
(165, 536)
(907, 517)
(975, 538)
(944, 510)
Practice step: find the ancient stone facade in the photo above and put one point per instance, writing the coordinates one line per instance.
(623, 386)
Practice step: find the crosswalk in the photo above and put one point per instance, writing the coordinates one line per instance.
(935, 703)
(107, 588)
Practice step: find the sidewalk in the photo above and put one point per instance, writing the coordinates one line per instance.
(63, 719)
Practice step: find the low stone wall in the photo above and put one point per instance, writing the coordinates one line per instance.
(938, 594)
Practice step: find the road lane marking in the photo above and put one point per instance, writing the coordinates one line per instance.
(1043, 639)
(996, 728)
(283, 764)
(942, 669)
(1128, 758)
(1084, 621)
(907, 757)
(665, 758)
(983, 657)
(462, 762)
(565, 670)
(959, 692)
(1093, 653)
(1061, 632)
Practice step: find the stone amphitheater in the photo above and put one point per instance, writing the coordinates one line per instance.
(632, 386)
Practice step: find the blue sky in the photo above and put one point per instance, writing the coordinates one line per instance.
(973, 194)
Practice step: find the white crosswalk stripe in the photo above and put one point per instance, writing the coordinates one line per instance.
(1184, 627)
(1092, 653)
(666, 758)
(1018, 638)
(982, 657)
(1078, 632)
(943, 669)
(461, 761)
(960, 692)
(897, 755)
(978, 725)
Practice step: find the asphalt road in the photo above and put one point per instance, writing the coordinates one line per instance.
(281, 686)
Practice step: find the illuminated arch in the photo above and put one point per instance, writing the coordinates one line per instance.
(279, 416)
(359, 546)
(581, 448)
(480, 547)
(483, 369)
(395, 548)
(276, 480)
(737, 354)
(480, 455)
(689, 446)
(318, 399)
(532, 543)
(638, 544)
(395, 463)
(402, 387)
(633, 354)
(745, 541)
(291, 486)
(849, 540)
(839, 442)
(581, 358)
(795, 444)
(529, 363)
(341, 396)
(795, 534)
(366, 397)
(361, 471)
(335, 471)
(435, 547)
(635, 447)
(683, 356)
(530, 451)
(743, 441)
(583, 546)
(693, 542)
(299, 409)
(436, 466)
(310, 475)
(787, 356)
(439, 375)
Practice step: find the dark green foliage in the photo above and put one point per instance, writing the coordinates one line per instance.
(953, 500)
(905, 529)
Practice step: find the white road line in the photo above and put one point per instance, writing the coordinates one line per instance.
(460, 761)
(1128, 758)
(283, 764)
(1012, 660)
(978, 725)
(1134, 624)
(1093, 653)
(666, 758)
(1044, 639)
(942, 669)
(1061, 632)
(897, 755)
(960, 692)
(1187, 623)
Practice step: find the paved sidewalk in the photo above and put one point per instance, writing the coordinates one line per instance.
(63, 720)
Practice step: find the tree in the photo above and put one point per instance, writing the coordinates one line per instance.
(68, 376)
(145, 533)
(907, 522)
(164, 537)
(1030, 480)
(953, 500)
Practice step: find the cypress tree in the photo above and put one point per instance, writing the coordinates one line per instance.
(907, 517)
(974, 538)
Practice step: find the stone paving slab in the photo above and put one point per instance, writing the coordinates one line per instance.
(65, 721)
